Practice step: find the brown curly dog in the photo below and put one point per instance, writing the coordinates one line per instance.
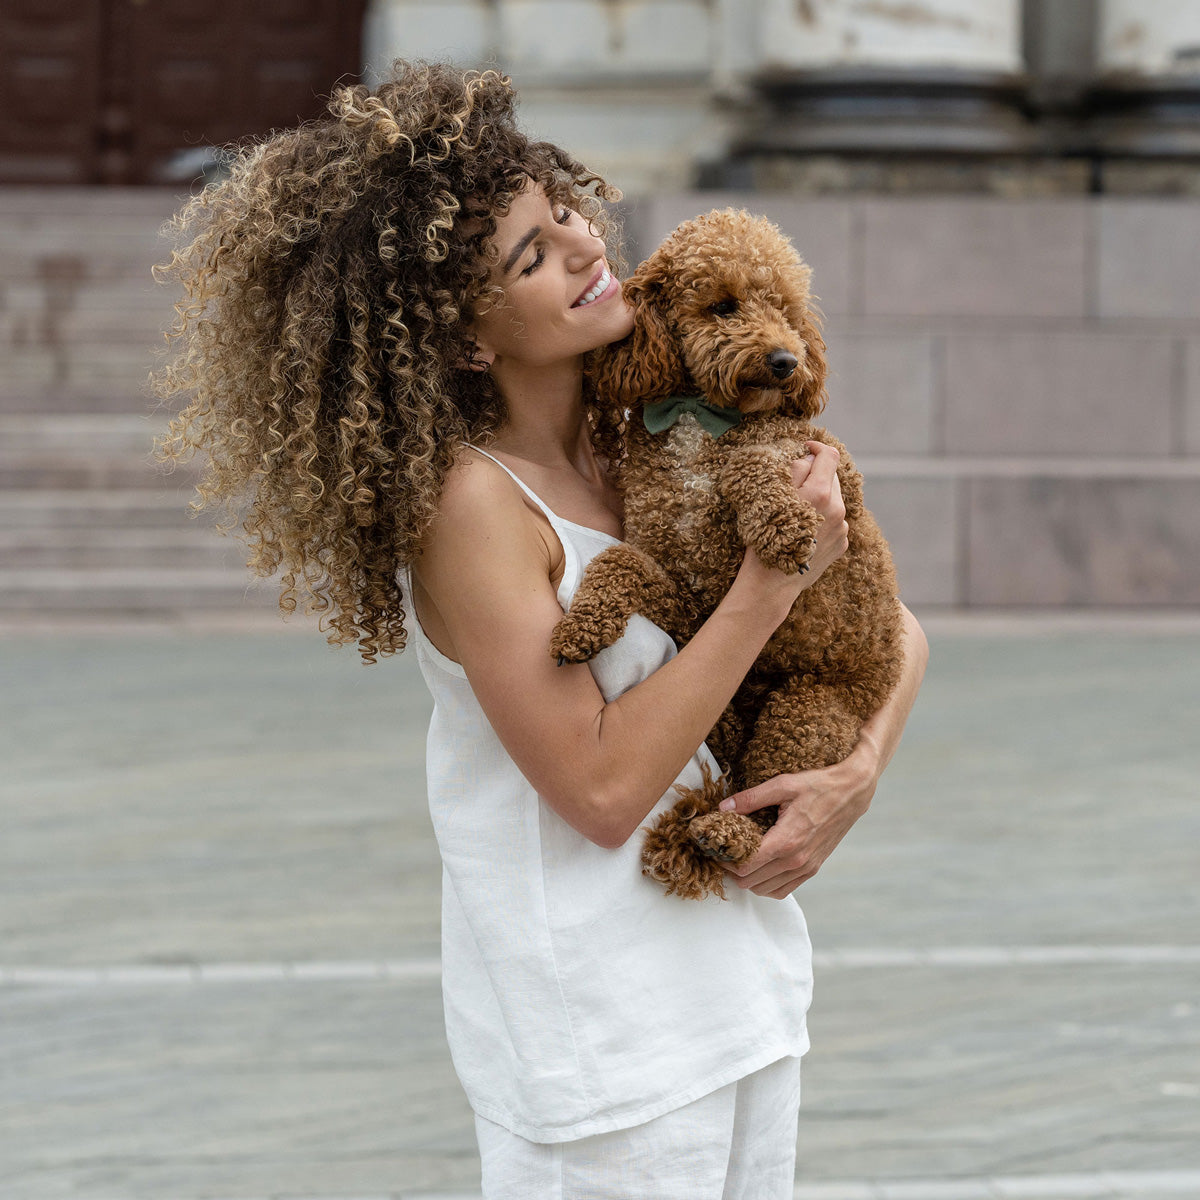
(723, 313)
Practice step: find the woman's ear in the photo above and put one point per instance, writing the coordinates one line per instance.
(647, 364)
(477, 357)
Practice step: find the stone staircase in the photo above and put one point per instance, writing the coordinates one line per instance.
(90, 525)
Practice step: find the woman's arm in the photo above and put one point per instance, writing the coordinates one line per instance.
(601, 766)
(817, 808)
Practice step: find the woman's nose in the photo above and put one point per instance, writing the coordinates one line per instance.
(586, 247)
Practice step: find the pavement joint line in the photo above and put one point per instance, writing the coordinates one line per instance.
(1085, 1185)
(417, 969)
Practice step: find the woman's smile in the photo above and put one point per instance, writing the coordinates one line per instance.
(599, 289)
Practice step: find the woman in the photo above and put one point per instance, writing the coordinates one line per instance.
(387, 320)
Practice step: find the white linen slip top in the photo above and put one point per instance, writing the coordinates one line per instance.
(579, 998)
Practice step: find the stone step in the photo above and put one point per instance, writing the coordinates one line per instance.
(80, 311)
(54, 546)
(88, 310)
(86, 368)
(104, 204)
(65, 262)
(46, 509)
(65, 235)
(64, 401)
(34, 430)
(63, 469)
(91, 590)
(83, 451)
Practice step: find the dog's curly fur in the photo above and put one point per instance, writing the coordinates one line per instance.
(714, 308)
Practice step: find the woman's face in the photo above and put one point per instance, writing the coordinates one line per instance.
(559, 298)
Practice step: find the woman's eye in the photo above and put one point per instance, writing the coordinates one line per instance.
(564, 216)
(724, 308)
(539, 258)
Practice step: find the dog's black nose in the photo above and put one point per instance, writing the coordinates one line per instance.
(782, 363)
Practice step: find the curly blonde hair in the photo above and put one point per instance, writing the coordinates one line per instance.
(328, 282)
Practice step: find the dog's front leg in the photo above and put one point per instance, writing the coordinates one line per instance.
(617, 583)
(756, 481)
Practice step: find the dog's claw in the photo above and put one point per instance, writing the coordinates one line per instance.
(562, 661)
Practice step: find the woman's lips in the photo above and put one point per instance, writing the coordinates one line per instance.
(600, 287)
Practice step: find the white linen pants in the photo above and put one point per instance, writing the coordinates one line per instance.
(737, 1143)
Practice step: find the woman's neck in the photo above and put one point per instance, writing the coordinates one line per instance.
(546, 422)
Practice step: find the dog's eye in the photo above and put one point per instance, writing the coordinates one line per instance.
(723, 308)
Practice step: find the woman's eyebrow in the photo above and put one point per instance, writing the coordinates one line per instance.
(519, 248)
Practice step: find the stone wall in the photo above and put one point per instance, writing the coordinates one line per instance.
(1020, 381)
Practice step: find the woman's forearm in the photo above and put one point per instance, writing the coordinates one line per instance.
(881, 733)
(646, 736)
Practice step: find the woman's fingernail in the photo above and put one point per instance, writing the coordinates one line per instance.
(728, 805)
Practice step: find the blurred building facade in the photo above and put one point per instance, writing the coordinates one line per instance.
(997, 96)
(999, 201)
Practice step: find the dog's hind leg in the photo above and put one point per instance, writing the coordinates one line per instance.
(802, 725)
(617, 583)
(727, 737)
(670, 854)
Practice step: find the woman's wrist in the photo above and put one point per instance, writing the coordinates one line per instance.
(863, 766)
(764, 595)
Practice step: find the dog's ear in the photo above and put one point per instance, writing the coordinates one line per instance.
(647, 364)
(813, 395)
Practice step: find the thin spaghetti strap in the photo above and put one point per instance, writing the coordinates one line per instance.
(550, 514)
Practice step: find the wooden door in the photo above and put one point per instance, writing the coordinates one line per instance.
(49, 90)
(119, 91)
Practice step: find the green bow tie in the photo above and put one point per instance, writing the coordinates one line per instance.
(714, 419)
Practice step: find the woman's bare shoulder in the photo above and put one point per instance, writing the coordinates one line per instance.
(473, 486)
(478, 500)
(482, 512)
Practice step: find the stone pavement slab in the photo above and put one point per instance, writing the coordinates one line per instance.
(211, 798)
(1008, 984)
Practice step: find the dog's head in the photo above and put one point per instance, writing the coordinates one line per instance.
(723, 308)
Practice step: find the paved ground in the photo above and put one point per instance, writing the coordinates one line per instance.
(218, 930)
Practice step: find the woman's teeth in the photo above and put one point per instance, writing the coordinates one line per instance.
(597, 291)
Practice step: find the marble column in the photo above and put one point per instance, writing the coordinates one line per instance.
(1146, 104)
(849, 89)
(952, 34)
(462, 30)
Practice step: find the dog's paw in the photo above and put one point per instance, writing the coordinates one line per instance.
(672, 859)
(783, 552)
(579, 637)
(781, 540)
(726, 837)
(688, 876)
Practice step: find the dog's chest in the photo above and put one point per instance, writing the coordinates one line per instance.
(688, 452)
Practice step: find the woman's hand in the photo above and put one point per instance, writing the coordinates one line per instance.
(815, 479)
(816, 810)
